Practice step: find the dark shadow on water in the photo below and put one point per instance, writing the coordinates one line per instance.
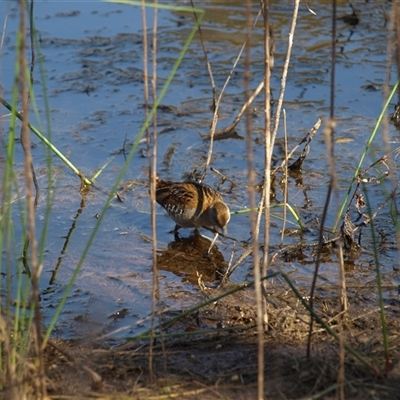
(187, 257)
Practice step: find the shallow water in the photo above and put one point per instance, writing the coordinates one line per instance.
(92, 56)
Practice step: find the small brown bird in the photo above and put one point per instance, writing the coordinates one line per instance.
(193, 205)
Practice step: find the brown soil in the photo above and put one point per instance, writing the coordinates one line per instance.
(222, 364)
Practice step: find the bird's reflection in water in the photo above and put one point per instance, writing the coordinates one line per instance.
(187, 257)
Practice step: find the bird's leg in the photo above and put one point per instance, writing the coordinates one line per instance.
(176, 229)
(176, 234)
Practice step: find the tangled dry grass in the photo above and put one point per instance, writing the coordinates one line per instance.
(223, 364)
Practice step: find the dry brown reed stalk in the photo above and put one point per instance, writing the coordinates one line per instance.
(217, 101)
(151, 151)
(209, 69)
(393, 52)
(270, 138)
(285, 180)
(3, 34)
(394, 20)
(296, 165)
(307, 140)
(285, 70)
(249, 101)
(232, 266)
(342, 315)
(152, 160)
(152, 179)
(220, 133)
(31, 74)
(156, 282)
(255, 232)
(8, 370)
(24, 145)
(267, 149)
(39, 380)
(329, 140)
(328, 134)
(2, 156)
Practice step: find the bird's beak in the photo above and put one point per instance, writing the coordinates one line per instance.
(225, 231)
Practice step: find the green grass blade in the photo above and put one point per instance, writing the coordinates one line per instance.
(127, 162)
(363, 155)
(46, 141)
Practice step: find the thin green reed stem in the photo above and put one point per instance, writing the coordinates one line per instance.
(6, 231)
(378, 282)
(24, 308)
(129, 158)
(8, 204)
(363, 155)
(45, 140)
(287, 205)
(47, 150)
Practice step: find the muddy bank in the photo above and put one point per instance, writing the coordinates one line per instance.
(223, 362)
